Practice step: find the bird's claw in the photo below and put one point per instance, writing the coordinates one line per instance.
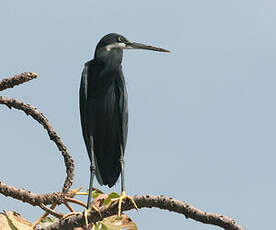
(96, 209)
(75, 213)
(120, 199)
(70, 214)
(85, 214)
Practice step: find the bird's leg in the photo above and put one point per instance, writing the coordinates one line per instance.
(92, 173)
(122, 162)
(123, 193)
(89, 205)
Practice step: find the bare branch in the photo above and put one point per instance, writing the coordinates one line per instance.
(26, 196)
(148, 201)
(32, 198)
(51, 211)
(30, 110)
(43, 216)
(16, 80)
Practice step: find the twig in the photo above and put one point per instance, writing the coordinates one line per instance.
(16, 80)
(68, 206)
(43, 216)
(148, 201)
(72, 200)
(52, 212)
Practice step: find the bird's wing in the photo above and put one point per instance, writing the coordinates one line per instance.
(83, 103)
(123, 108)
(104, 119)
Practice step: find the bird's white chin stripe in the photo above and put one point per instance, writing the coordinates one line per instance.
(115, 45)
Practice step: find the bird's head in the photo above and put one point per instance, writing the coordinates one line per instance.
(111, 46)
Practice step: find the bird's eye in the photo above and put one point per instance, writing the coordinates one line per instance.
(120, 39)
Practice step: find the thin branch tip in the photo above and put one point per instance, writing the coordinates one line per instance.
(10, 82)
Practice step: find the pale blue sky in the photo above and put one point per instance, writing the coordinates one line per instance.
(202, 119)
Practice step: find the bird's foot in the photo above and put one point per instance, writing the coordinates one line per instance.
(70, 214)
(85, 214)
(120, 199)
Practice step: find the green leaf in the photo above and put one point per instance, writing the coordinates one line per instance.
(112, 195)
(95, 193)
(49, 219)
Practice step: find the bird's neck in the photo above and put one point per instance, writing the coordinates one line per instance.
(112, 58)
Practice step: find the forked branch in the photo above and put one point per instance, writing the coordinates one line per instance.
(21, 194)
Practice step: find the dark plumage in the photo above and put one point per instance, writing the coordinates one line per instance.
(104, 114)
(104, 110)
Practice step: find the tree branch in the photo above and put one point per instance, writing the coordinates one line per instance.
(21, 194)
(148, 201)
(51, 211)
(39, 117)
(16, 80)
(32, 198)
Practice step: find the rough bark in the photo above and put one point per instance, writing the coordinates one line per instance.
(149, 201)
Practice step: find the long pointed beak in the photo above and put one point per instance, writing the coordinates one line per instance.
(135, 45)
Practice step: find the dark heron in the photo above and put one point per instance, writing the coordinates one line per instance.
(104, 111)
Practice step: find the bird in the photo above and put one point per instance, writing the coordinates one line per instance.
(103, 102)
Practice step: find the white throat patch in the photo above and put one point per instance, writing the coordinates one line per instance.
(115, 45)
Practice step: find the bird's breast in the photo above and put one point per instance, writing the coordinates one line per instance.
(103, 85)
